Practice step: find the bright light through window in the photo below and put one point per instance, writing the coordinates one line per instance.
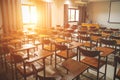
(73, 15)
(29, 14)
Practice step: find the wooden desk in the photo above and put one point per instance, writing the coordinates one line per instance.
(74, 45)
(74, 67)
(26, 47)
(59, 40)
(105, 52)
(43, 54)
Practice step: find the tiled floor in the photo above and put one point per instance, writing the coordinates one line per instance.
(50, 69)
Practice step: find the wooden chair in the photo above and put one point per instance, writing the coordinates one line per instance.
(116, 70)
(68, 37)
(53, 76)
(117, 39)
(75, 68)
(106, 33)
(95, 38)
(83, 32)
(93, 60)
(62, 51)
(108, 43)
(24, 68)
(48, 46)
(87, 43)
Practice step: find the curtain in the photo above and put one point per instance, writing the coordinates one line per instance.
(11, 15)
(65, 14)
(44, 14)
(82, 14)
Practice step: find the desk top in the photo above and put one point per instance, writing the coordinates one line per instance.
(26, 47)
(74, 67)
(105, 51)
(41, 55)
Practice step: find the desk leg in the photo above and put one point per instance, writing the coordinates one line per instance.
(44, 67)
(106, 67)
(28, 53)
(79, 55)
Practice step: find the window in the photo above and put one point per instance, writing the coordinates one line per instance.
(29, 14)
(73, 15)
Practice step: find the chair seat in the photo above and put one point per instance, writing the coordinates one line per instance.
(118, 74)
(88, 45)
(64, 55)
(29, 70)
(39, 66)
(50, 48)
(93, 62)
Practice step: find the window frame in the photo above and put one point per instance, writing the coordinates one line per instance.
(75, 20)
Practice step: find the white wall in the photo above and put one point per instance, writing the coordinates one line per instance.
(57, 15)
(99, 13)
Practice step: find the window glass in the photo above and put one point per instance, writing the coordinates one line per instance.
(77, 15)
(29, 14)
(73, 15)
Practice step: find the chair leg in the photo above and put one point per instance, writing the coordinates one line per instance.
(55, 60)
(51, 59)
(97, 74)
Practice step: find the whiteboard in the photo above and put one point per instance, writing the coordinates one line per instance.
(114, 12)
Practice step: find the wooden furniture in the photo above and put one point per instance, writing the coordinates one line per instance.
(93, 59)
(75, 68)
(117, 39)
(68, 37)
(95, 38)
(110, 44)
(48, 45)
(105, 52)
(66, 51)
(23, 67)
(54, 76)
(26, 47)
(89, 25)
(116, 70)
(86, 42)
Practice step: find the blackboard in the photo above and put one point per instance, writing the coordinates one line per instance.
(114, 12)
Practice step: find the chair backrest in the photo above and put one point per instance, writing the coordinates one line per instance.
(84, 38)
(83, 32)
(46, 41)
(60, 47)
(108, 43)
(96, 34)
(89, 53)
(38, 77)
(116, 61)
(17, 58)
(11, 48)
(5, 49)
(115, 37)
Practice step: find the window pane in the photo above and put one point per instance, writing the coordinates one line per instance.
(25, 14)
(72, 15)
(77, 15)
(69, 18)
(33, 12)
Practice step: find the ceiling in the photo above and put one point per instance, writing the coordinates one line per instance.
(75, 1)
